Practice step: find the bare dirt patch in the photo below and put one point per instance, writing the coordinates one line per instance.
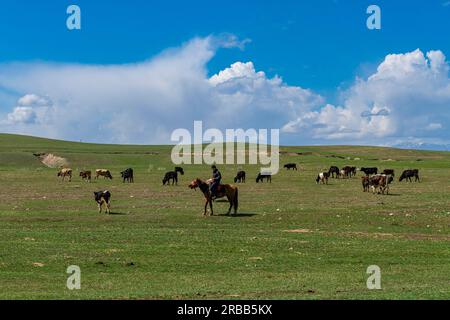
(52, 161)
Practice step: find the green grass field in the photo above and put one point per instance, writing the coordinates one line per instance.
(292, 239)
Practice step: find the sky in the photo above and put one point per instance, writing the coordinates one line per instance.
(137, 70)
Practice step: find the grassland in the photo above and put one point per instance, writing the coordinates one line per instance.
(292, 239)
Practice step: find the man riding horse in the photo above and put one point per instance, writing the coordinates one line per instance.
(216, 178)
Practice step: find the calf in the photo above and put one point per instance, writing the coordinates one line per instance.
(408, 174)
(65, 172)
(103, 198)
(365, 183)
(322, 177)
(85, 175)
(171, 175)
(369, 171)
(240, 177)
(333, 171)
(290, 166)
(261, 177)
(180, 170)
(127, 175)
(104, 173)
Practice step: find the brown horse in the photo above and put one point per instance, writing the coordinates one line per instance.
(223, 190)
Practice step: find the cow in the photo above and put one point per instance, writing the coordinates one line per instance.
(389, 171)
(348, 171)
(86, 175)
(369, 171)
(290, 166)
(65, 172)
(365, 183)
(171, 175)
(261, 177)
(180, 170)
(352, 171)
(334, 172)
(127, 175)
(382, 182)
(343, 174)
(322, 177)
(103, 198)
(104, 173)
(408, 174)
(240, 177)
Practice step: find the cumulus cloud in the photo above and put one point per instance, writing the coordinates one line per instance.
(144, 102)
(406, 99)
(22, 115)
(31, 109)
(408, 96)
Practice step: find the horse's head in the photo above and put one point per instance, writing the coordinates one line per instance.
(195, 184)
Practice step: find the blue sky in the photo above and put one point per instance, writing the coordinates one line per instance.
(320, 45)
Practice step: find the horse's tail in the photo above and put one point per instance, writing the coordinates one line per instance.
(236, 200)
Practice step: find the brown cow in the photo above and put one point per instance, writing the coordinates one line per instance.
(365, 183)
(65, 172)
(104, 173)
(86, 175)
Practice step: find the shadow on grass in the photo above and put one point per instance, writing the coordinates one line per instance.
(117, 213)
(237, 215)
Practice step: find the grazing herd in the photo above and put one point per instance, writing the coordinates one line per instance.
(371, 180)
(378, 182)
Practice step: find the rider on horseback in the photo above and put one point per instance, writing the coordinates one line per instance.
(216, 181)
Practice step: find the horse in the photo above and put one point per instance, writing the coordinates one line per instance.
(223, 190)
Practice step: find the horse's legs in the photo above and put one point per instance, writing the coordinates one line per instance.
(230, 200)
(206, 205)
(210, 206)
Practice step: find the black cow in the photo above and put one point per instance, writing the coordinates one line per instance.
(127, 175)
(103, 197)
(408, 174)
(369, 171)
(180, 170)
(261, 178)
(290, 166)
(334, 171)
(240, 177)
(171, 175)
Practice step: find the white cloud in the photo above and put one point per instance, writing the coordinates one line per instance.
(408, 96)
(22, 115)
(406, 99)
(34, 100)
(144, 102)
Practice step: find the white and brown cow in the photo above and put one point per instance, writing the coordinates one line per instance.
(65, 172)
(381, 182)
(103, 173)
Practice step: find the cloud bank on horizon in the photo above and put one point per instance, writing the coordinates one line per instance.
(405, 101)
